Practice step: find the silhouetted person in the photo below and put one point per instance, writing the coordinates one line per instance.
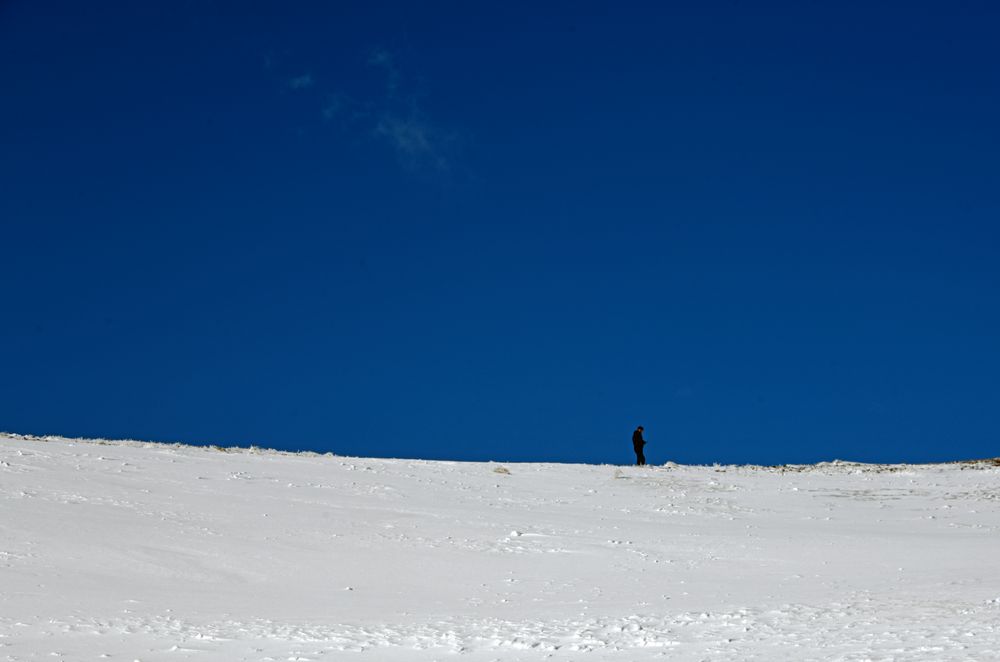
(637, 443)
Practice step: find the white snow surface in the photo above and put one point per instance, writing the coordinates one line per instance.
(127, 550)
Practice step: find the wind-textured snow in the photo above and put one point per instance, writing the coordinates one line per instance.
(142, 551)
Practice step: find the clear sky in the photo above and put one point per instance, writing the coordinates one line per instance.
(768, 232)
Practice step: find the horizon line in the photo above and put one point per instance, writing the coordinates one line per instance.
(255, 449)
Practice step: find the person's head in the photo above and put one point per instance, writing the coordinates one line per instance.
(639, 428)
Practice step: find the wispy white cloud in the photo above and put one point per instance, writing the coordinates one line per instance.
(400, 121)
(393, 116)
(416, 142)
(301, 82)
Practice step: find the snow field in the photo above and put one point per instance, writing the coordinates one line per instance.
(140, 551)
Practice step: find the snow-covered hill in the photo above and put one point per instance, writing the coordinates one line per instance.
(141, 551)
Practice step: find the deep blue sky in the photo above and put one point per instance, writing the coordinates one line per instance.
(766, 231)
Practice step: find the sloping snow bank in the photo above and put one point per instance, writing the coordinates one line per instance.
(134, 550)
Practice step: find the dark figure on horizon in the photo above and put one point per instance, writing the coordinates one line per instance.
(637, 443)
